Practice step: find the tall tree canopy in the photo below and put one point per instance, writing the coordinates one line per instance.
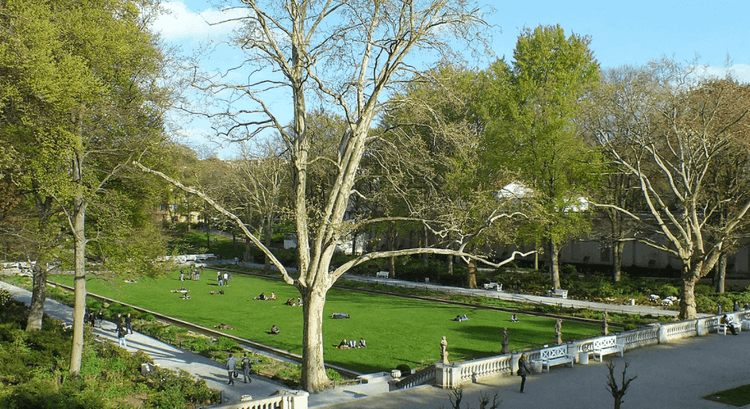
(82, 97)
(344, 54)
(684, 140)
(533, 130)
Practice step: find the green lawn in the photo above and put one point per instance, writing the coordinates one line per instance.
(397, 330)
(739, 396)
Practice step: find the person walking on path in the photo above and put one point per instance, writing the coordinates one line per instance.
(246, 365)
(523, 370)
(231, 368)
(129, 323)
(121, 332)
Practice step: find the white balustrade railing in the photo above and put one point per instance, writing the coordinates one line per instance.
(473, 370)
(284, 400)
(455, 375)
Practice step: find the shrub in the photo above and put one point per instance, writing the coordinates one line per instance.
(704, 289)
(4, 296)
(404, 368)
(668, 290)
(334, 375)
(226, 344)
(705, 304)
(196, 344)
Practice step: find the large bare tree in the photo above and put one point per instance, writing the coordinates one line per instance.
(344, 54)
(674, 132)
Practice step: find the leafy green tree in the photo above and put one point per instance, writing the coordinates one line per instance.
(430, 147)
(85, 101)
(534, 132)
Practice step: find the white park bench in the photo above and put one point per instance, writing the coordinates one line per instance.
(493, 286)
(381, 274)
(722, 328)
(558, 293)
(607, 345)
(555, 356)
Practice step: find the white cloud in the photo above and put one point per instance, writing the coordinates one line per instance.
(740, 72)
(180, 23)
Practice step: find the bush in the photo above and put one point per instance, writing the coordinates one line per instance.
(226, 344)
(705, 304)
(668, 290)
(334, 375)
(404, 368)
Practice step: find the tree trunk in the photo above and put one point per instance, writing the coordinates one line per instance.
(208, 229)
(450, 261)
(38, 296)
(472, 274)
(425, 240)
(722, 273)
(314, 378)
(79, 240)
(688, 309)
(267, 228)
(554, 264)
(248, 245)
(617, 261)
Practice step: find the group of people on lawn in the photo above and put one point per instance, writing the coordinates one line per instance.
(344, 344)
(193, 274)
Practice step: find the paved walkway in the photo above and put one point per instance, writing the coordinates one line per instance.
(675, 375)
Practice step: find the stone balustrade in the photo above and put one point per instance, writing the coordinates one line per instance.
(284, 400)
(454, 375)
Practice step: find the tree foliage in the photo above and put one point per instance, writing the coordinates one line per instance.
(344, 54)
(82, 97)
(533, 130)
(684, 139)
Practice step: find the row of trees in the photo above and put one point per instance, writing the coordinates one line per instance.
(424, 153)
(398, 151)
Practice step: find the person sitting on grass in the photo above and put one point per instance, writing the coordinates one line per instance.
(261, 297)
(362, 343)
(290, 302)
(344, 344)
(514, 318)
(185, 296)
(275, 330)
(272, 296)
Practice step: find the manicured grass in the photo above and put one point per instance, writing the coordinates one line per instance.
(398, 330)
(739, 396)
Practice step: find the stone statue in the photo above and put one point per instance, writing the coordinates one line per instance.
(558, 331)
(505, 341)
(444, 351)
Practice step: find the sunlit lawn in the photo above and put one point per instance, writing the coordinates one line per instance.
(397, 330)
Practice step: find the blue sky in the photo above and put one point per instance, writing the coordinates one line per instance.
(632, 32)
